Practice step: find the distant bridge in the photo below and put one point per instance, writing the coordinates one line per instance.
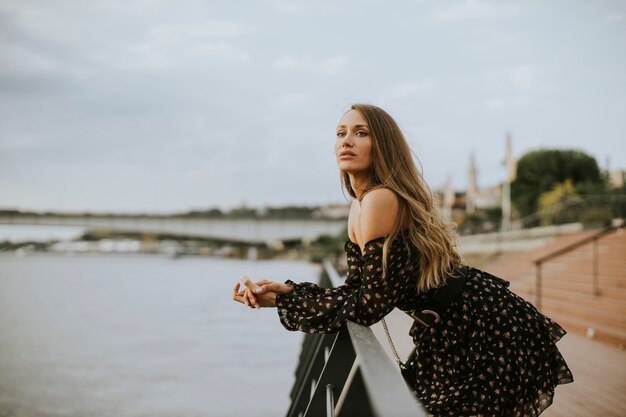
(246, 230)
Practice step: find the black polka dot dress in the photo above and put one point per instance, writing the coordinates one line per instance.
(492, 354)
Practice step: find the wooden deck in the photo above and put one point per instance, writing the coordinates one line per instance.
(599, 387)
(599, 369)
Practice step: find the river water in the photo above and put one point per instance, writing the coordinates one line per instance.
(141, 335)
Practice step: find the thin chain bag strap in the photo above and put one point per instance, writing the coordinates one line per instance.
(407, 373)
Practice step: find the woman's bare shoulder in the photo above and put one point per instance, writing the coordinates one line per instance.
(379, 213)
(380, 196)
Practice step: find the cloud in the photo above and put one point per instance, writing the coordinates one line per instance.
(523, 77)
(168, 44)
(37, 22)
(22, 59)
(286, 63)
(411, 88)
(471, 9)
(506, 103)
(509, 87)
(292, 99)
(220, 50)
(288, 7)
(334, 65)
(133, 8)
(329, 66)
(25, 141)
(207, 29)
(615, 17)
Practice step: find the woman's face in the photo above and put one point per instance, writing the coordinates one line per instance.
(353, 148)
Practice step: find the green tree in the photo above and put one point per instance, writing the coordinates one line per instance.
(550, 203)
(541, 170)
(558, 193)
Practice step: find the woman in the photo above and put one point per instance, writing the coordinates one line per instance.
(479, 348)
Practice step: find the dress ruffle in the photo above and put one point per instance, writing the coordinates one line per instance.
(493, 354)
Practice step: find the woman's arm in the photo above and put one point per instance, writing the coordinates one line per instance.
(372, 297)
(365, 304)
(263, 293)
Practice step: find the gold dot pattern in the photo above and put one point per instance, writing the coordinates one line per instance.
(493, 353)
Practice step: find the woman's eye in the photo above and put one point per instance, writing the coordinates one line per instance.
(361, 133)
(340, 134)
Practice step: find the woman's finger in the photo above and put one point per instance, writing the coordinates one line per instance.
(274, 286)
(277, 287)
(246, 294)
(252, 299)
(251, 288)
(245, 298)
(265, 288)
(237, 296)
(251, 285)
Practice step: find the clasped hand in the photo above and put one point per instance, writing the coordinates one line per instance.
(261, 293)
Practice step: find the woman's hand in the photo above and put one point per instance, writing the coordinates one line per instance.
(260, 294)
(248, 296)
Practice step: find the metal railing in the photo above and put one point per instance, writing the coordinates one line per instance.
(348, 374)
(594, 238)
(585, 208)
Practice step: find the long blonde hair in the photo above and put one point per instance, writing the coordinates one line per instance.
(393, 168)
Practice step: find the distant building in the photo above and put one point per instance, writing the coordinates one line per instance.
(477, 198)
(617, 178)
(457, 206)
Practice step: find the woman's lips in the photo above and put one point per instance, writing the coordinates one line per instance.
(346, 155)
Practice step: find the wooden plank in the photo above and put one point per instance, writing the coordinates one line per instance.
(599, 372)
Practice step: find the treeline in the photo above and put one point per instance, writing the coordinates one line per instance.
(286, 212)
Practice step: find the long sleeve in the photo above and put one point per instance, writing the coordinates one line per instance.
(364, 298)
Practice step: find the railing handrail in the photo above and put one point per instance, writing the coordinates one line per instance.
(388, 393)
(571, 202)
(353, 366)
(577, 244)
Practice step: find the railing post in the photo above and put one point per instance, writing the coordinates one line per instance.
(596, 286)
(330, 401)
(538, 285)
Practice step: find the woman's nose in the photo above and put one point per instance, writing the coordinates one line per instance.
(347, 141)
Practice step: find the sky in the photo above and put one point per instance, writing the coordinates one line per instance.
(161, 106)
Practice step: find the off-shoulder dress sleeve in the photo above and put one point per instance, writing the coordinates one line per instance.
(365, 298)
